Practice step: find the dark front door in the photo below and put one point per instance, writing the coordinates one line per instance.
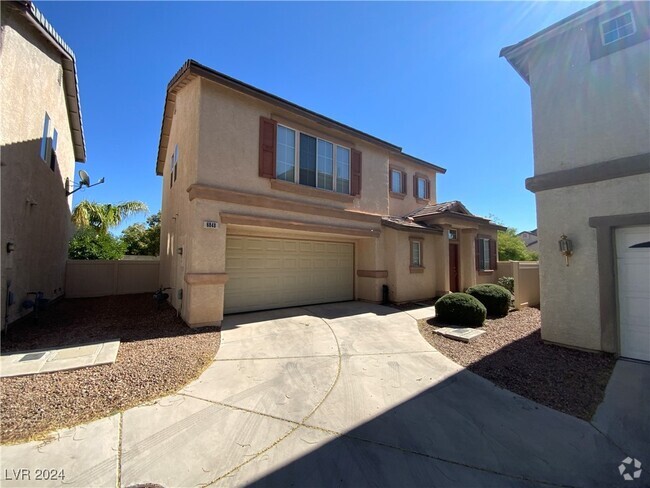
(453, 267)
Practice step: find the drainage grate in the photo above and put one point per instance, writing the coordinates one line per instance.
(32, 356)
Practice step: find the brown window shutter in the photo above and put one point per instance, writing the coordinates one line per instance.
(268, 136)
(355, 173)
(428, 189)
(415, 186)
(477, 253)
(493, 254)
(404, 182)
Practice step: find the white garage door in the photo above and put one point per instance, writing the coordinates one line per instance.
(268, 273)
(633, 262)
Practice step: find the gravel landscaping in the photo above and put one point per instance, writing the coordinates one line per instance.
(158, 355)
(512, 355)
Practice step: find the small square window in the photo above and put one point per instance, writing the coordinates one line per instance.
(617, 28)
(452, 234)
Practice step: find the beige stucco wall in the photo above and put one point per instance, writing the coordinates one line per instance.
(229, 125)
(405, 285)
(569, 295)
(585, 111)
(402, 205)
(179, 219)
(35, 209)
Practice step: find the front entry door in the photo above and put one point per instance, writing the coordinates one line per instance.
(453, 267)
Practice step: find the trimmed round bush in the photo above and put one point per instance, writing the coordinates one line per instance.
(460, 309)
(495, 298)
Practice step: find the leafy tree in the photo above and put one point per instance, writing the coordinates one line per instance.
(141, 240)
(89, 243)
(511, 248)
(103, 216)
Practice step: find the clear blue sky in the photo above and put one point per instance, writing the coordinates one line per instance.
(424, 76)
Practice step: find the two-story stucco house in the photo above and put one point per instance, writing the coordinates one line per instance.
(529, 237)
(267, 204)
(589, 78)
(41, 138)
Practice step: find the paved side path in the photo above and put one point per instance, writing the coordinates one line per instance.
(343, 394)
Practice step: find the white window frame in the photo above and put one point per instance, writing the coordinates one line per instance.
(422, 179)
(416, 243)
(602, 31)
(45, 145)
(401, 183)
(484, 254)
(296, 154)
(335, 146)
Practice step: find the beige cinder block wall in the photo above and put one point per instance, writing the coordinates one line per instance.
(586, 113)
(35, 210)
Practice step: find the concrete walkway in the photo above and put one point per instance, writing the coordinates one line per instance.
(344, 394)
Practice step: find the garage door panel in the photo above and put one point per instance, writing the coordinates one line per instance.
(273, 273)
(633, 282)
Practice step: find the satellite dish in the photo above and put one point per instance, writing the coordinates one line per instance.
(84, 178)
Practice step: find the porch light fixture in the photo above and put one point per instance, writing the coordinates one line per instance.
(566, 247)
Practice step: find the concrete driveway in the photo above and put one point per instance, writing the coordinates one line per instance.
(343, 394)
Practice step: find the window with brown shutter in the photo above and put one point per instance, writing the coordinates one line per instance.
(268, 135)
(355, 170)
(486, 253)
(404, 187)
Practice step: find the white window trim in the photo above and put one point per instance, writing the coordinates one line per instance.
(401, 183)
(296, 160)
(484, 264)
(417, 189)
(45, 149)
(602, 32)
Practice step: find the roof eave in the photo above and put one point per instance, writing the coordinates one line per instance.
(192, 67)
(71, 83)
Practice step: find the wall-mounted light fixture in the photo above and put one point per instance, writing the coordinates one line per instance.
(566, 247)
(11, 247)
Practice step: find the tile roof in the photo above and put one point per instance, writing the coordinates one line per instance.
(437, 208)
(408, 223)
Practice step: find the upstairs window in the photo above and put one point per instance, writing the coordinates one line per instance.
(342, 170)
(397, 181)
(173, 173)
(45, 146)
(320, 163)
(286, 156)
(53, 160)
(421, 188)
(617, 28)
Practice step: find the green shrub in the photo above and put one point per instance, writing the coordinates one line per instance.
(495, 298)
(508, 282)
(460, 309)
(88, 243)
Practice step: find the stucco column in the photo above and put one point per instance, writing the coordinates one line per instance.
(467, 258)
(443, 275)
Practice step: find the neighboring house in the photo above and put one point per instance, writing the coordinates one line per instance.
(530, 239)
(41, 137)
(267, 204)
(589, 77)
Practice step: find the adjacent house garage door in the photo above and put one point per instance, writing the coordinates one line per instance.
(268, 273)
(633, 263)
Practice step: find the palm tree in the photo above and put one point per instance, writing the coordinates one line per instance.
(103, 216)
